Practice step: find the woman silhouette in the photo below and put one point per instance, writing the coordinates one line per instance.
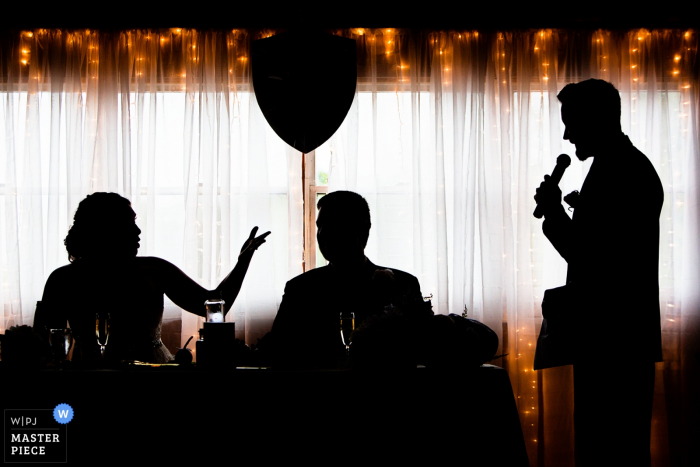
(105, 275)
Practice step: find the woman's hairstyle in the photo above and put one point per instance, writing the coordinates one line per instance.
(93, 220)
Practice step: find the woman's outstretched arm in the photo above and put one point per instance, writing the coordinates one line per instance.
(190, 296)
(231, 285)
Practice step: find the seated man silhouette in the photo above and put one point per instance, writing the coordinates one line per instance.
(306, 330)
(611, 245)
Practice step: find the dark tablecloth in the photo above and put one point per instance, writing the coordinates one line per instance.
(167, 415)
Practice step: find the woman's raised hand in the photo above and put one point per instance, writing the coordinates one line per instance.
(253, 242)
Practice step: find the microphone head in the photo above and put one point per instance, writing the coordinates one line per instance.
(564, 160)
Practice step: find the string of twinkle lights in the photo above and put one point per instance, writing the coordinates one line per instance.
(387, 46)
(387, 35)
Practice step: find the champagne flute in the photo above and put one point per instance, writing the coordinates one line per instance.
(102, 331)
(347, 326)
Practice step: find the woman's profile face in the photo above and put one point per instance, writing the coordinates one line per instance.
(121, 236)
(131, 236)
(135, 232)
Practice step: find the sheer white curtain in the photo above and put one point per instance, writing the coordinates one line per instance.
(165, 118)
(450, 134)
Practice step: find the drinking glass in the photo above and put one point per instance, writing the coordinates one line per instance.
(215, 310)
(102, 331)
(60, 341)
(347, 326)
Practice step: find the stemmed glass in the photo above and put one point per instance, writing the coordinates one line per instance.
(60, 341)
(347, 326)
(102, 331)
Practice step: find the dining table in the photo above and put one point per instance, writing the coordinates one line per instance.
(180, 414)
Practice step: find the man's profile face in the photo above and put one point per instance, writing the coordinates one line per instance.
(337, 240)
(580, 131)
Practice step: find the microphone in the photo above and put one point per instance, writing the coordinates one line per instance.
(563, 161)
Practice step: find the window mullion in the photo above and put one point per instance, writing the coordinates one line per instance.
(309, 175)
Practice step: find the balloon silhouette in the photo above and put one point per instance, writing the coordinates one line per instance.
(304, 82)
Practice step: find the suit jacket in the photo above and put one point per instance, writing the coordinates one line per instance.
(611, 245)
(306, 330)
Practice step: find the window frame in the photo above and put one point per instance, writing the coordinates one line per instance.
(310, 194)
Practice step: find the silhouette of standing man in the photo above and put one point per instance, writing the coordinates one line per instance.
(611, 245)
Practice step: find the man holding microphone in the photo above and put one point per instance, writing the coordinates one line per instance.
(611, 245)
